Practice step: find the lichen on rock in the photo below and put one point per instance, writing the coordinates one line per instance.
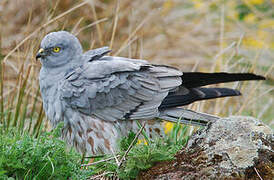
(234, 147)
(237, 137)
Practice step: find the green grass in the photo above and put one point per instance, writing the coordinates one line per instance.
(24, 156)
(46, 157)
(142, 156)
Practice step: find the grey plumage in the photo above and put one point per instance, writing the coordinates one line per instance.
(100, 97)
(103, 86)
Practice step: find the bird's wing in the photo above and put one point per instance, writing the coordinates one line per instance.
(114, 88)
(95, 54)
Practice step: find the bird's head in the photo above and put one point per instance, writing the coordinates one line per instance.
(58, 48)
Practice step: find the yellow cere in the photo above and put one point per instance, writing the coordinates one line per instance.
(41, 50)
(56, 49)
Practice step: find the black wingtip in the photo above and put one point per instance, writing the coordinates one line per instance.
(259, 77)
(197, 79)
(251, 76)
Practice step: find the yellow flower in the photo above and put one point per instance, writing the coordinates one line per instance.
(142, 141)
(167, 6)
(198, 5)
(260, 39)
(272, 45)
(168, 127)
(253, 43)
(250, 18)
(256, 2)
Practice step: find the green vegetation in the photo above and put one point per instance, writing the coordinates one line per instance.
(142, 156)
(23, 156)
(46, 157)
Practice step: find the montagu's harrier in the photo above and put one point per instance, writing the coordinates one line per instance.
(99, 98)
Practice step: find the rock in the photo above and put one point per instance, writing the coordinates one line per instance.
(236, 147)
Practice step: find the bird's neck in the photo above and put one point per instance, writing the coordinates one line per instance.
(59, 69)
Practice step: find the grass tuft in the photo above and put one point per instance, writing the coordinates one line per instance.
(141, 156)
(46, 157)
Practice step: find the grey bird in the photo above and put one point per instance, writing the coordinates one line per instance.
(99, 98)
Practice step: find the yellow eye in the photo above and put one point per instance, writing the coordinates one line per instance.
(56, 49)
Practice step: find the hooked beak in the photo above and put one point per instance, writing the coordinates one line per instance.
(40, 53)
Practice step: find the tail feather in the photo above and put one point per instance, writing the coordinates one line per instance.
(186, 116)
(197, 79)
(190, 91)
(185, 96)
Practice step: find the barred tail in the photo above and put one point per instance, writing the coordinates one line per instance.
(185, 96)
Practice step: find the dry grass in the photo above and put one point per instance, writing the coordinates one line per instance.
(191, 35)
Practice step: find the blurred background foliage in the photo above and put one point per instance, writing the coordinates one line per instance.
(192, 35)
